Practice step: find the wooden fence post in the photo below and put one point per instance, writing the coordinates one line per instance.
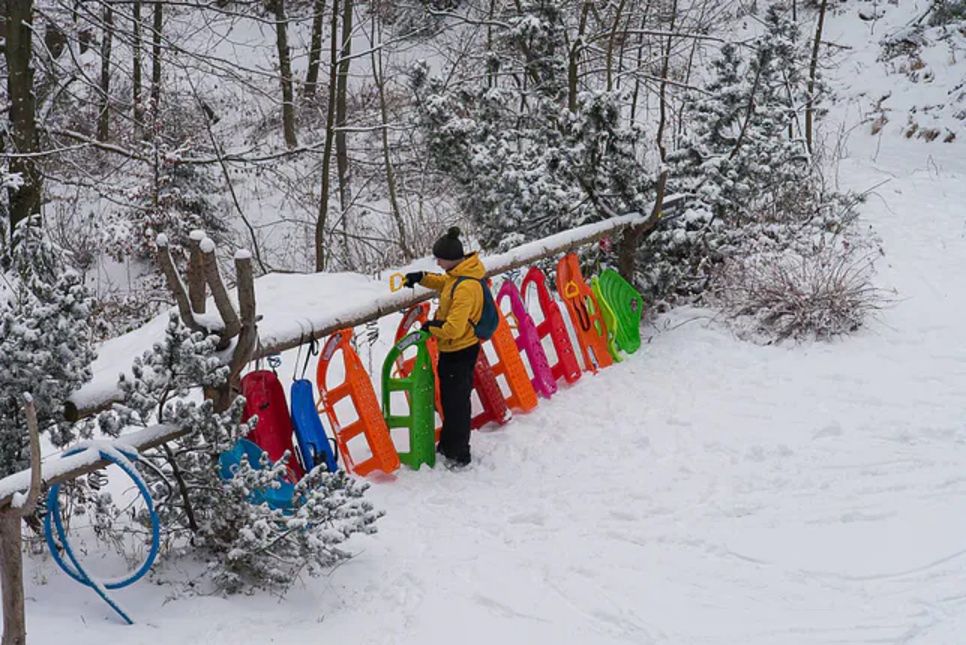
(11, 541)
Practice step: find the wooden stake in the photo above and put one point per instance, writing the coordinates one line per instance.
(220, 294)
(196, 273)
(176, 286)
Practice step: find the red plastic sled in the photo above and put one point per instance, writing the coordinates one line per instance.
(567, 366)
(265, 397)
(491, 398)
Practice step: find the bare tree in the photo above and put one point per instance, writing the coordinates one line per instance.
(107, 38)
(136, 64)
(156, 58)
(321, 257)
(315, 50)
(277, 7)
(812, 71)
(380, 81)
(342, 86)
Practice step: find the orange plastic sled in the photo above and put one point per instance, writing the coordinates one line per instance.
(509, 364)
(584, 312)
(370, 422)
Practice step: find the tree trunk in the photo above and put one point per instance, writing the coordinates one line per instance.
(156, 59)
(812, 71)
(623, 50)
(687, 81)
(136, 65)
(285, 73)
(574, 59)
(380, 80)
(104, 117)
(490, 68)
(24, 201)
(665, 68)
(315, 52)
(341, 148)
(634, 235)
(320, 255)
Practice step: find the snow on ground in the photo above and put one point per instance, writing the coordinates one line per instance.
(705, 491)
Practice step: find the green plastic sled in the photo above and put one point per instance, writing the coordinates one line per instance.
(627, 306)
(610, 320)
(420, 389)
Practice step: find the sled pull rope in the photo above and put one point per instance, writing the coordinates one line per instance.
(298, 355)
(123, 459)
(312, 351)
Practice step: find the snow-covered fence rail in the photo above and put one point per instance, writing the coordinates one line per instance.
(297, 307)
(57, 470)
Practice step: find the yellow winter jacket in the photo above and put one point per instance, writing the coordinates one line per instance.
(457, 310)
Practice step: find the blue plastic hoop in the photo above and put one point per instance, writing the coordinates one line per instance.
(74, 569)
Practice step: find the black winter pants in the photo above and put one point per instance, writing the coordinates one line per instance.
(455, 386)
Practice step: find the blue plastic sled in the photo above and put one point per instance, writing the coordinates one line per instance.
(313, 442)
(277, 498)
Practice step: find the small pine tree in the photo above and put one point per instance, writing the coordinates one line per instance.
(527, 172)
(45, 339)
(743, 150)
(742, 158)
(245, 544)
(178, 200)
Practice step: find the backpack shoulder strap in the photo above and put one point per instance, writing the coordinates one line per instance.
(452, 291)
(459, 279)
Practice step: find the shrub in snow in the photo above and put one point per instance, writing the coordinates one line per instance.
(777, 296)
(45, 339)
(244, 544)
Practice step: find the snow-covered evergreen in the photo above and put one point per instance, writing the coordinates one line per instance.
(45, 339)
(244, 544)
(525, 164)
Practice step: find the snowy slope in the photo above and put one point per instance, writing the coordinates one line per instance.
(705, 491)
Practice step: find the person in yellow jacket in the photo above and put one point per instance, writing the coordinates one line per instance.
(460, 308)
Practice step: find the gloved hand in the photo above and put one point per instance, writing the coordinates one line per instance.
(412, 279)
(429, 324)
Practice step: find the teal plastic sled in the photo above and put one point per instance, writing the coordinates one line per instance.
(420, 388)
(278, 498)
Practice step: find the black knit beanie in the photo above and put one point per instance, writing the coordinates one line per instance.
(449, 246)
